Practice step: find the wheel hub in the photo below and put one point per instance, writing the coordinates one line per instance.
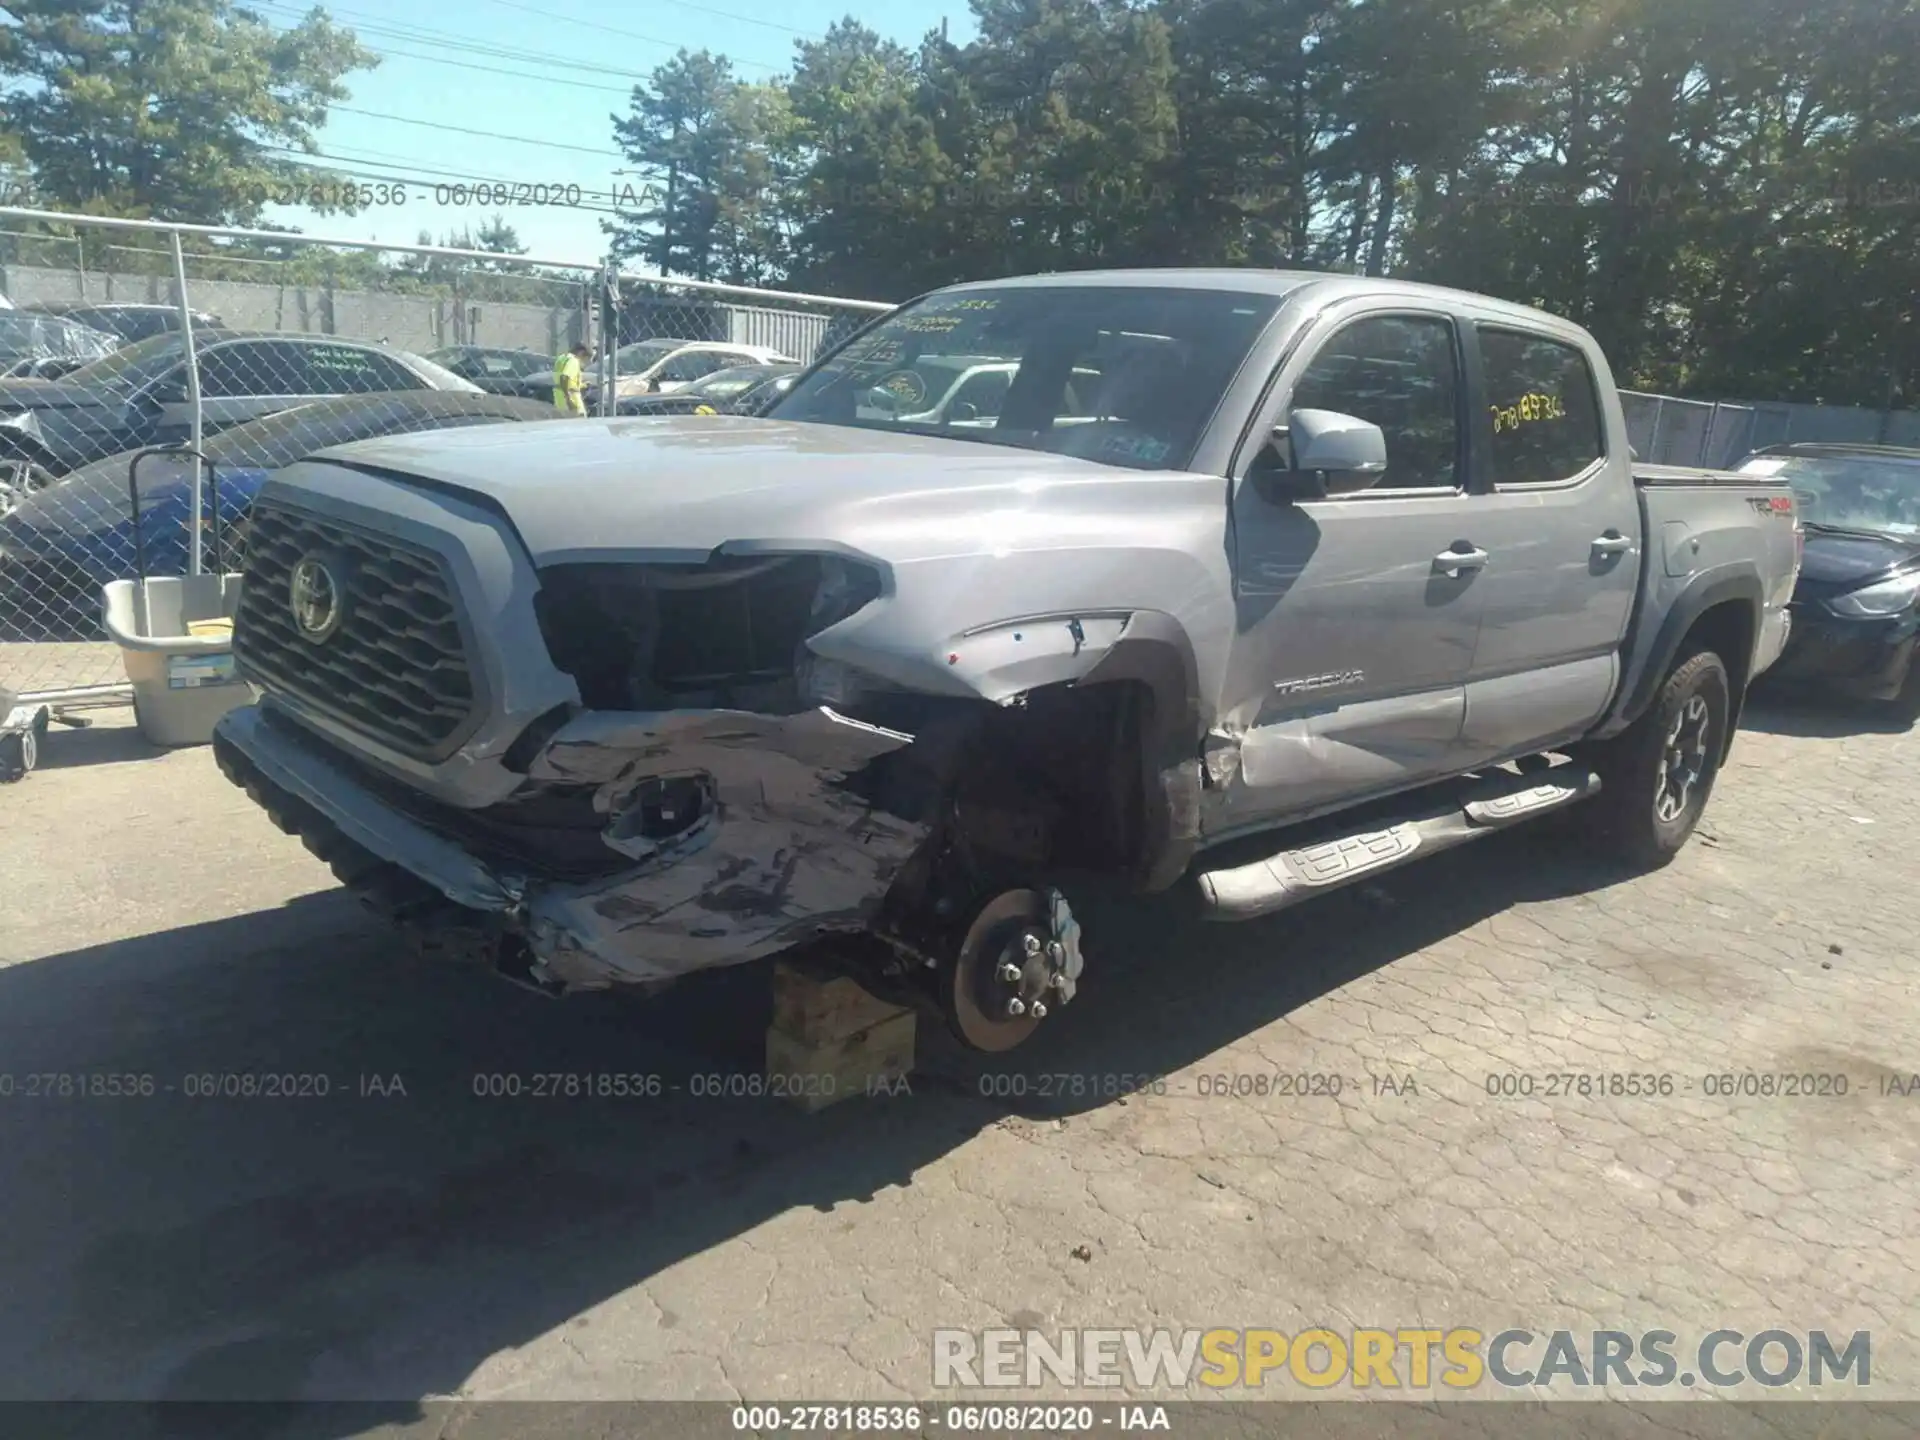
(1683, 760)
(1020, 962)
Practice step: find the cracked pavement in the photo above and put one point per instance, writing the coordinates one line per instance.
(404, 1237)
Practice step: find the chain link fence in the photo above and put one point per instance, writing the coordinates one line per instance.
(1666, 430)
(246, 350)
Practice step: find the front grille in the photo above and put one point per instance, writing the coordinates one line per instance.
(395, 668)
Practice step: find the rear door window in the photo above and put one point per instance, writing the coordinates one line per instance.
(251, 368)
(1544, 406)
(343, 370)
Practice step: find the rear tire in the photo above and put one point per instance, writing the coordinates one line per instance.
(1657, 774)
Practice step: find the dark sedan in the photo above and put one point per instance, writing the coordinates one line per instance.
(61, 544)
(1856, 609)
(740, 390)
(500, 370)
(139, 395)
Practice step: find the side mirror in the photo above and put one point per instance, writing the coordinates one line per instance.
(882, 399)
(963, 410)
(1327, 454)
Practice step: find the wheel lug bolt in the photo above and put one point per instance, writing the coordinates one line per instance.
(1033, 944)
(1039, 1010)
(1056, 953)
(1016, 1007)
(1010, 973)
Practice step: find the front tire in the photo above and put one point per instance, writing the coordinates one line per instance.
(1657, 774)
(1906, 704)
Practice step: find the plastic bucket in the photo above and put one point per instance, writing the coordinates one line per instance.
(175, 634)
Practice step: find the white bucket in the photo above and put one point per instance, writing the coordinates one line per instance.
(175, 634)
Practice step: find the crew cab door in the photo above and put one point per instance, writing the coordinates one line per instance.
(1356, 617)
(1562, 529)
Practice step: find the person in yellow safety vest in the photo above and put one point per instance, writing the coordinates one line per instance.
(568, 382)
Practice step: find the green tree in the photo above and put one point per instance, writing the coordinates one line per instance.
(1724, 191)
(704, 144)
(168, 109)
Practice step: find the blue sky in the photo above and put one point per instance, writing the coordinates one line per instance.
(550, 71)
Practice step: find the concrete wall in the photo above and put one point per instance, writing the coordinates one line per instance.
(420, 322)
(410, 322)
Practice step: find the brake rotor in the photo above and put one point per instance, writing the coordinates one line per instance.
(976, 998)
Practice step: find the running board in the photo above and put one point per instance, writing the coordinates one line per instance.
(1244, 892)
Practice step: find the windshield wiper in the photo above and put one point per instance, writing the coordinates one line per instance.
(1864, 534)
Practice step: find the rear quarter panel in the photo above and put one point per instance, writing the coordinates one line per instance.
(1712, 538)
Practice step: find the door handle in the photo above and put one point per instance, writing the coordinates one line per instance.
(1612, 544)
(1452, 562)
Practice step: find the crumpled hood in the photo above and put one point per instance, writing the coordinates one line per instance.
(675, 489)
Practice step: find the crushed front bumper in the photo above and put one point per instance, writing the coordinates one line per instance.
(731, 835)
(1864, 658)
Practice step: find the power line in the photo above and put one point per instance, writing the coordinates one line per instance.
(421, 34)
(445, 40)
(634, 34)
(747, 19)
(623, 90)
(482, 134)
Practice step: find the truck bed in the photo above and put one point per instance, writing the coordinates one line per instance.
(1690, 475)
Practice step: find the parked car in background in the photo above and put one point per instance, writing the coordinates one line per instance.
(497, 369)
(61, 544)
(1274, 580)
(660, 367)
(44, 347)
(138, 395)
(131, 321)
(1856, 609)
(742, 390)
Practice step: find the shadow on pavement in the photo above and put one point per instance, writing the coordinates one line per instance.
(1772, 712)
(103, 742)
(388, 1236)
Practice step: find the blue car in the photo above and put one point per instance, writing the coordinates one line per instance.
(64, 541)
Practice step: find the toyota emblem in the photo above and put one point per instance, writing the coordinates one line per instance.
(317, 600)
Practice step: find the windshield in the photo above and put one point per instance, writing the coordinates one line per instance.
(131, 366)
(644, 353)
(1126, 375)
(723, 384)
(1849, 492)
(22, 334)
(39, 335)
(442, 378)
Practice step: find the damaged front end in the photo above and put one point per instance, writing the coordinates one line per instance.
(721, 793)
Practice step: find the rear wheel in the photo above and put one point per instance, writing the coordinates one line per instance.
(1657, 774)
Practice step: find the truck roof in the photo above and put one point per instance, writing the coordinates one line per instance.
(1325, 286)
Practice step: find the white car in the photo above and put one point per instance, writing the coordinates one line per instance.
(659, 367)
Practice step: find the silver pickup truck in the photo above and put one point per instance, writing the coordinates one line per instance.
(1270, 580)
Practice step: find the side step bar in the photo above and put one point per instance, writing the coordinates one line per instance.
(1244, 892)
